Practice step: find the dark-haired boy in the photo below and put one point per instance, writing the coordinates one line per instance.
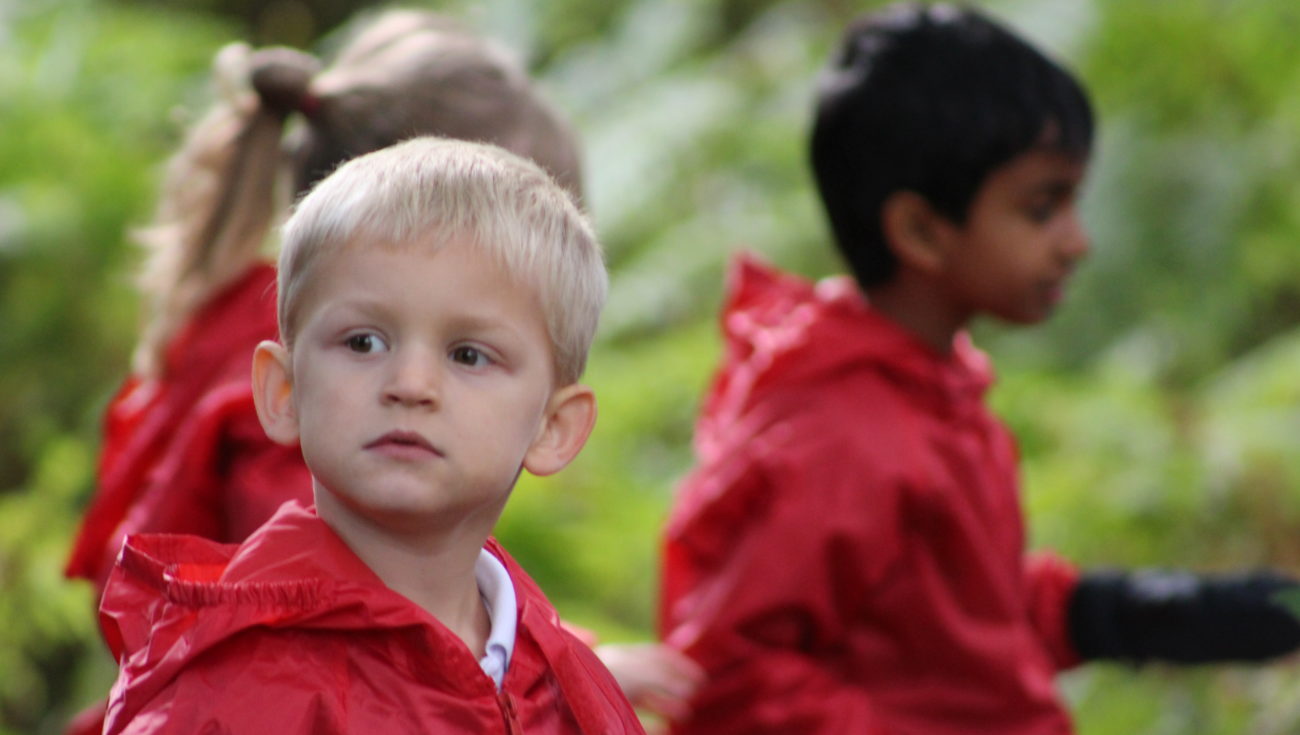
(849, 555)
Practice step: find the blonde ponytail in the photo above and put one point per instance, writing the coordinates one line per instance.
(402, 73)
(219, 196)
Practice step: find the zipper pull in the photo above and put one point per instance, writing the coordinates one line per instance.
(511, 715)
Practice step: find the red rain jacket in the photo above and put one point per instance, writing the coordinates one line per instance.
(291, 633)
(186, 454)
(848, 555)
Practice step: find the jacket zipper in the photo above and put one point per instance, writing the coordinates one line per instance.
(508, 712)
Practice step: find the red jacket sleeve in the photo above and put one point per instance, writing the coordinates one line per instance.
(759, 588)
(1052, 581)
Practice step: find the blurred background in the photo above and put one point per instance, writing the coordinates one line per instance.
(1159, 412)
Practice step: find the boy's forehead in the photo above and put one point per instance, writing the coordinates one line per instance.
(379, 271)
(1042, 163)
(432, 252)
(429, 240)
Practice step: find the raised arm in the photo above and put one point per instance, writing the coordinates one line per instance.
(1181, 617)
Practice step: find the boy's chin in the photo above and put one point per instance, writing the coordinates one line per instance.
(1025, 317)
(1013, 322)
(405, 516)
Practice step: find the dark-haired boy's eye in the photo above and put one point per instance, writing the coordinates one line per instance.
(1040, 212)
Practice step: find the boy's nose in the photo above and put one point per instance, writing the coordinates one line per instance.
(1076, 243)
(414, 381)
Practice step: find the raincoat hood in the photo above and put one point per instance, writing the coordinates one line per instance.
(783, 334)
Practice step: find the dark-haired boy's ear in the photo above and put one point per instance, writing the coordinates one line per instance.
(570, 417)
(913, 231)
(273, 392)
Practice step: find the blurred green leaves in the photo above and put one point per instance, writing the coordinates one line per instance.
(86, 93)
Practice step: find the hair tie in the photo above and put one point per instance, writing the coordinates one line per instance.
(308, 104)
(282, 79)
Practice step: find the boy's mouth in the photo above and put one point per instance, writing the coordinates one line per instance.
(1055, 292)
(404, 443)
(1055, 289)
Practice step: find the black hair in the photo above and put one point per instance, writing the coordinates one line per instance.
(931, 99)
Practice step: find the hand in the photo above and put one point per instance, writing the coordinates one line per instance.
(655, 678)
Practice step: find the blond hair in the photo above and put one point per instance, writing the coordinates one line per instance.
(428, 191)
(403, 73)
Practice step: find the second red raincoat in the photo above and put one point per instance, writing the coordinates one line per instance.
(848, 557)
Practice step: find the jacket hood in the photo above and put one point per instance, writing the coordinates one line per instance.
(782, 333)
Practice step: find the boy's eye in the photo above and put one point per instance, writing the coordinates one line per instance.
(1040, 211)
(365, 343)
(470, 356)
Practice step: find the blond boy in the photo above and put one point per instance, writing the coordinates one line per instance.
(437, 302)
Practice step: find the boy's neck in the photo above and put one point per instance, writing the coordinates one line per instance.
(433, 570)
(918, 308)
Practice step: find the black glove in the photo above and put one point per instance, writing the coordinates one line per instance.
(1182, 617)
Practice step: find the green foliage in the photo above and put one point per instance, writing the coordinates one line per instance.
(1158, 413)
(86, 125)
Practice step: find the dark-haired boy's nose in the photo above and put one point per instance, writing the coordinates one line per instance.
(1076, 242)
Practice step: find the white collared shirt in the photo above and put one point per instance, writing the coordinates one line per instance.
(498, 594)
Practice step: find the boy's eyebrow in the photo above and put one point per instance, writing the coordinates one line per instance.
(1056, 182)
(485, 323)
(1057, 185)
(365, 305)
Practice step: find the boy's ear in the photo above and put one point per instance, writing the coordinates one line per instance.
(273, 392)
(914, 231)
(570, 416)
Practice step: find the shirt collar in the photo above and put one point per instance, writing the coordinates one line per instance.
(498, 593)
